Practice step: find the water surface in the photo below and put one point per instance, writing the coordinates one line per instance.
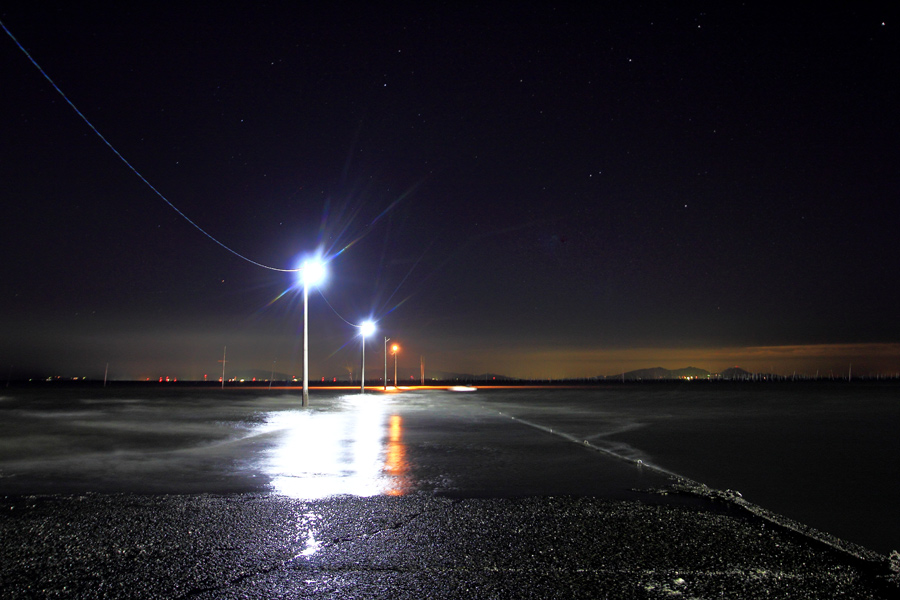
(824, 455)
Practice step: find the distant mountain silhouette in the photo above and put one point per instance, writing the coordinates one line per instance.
(448, 376)
(735, 373)
(661, 373)
(655, 373)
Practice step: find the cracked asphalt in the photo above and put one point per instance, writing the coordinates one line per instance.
(415, 546)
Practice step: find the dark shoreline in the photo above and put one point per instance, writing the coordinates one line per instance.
(481, 384)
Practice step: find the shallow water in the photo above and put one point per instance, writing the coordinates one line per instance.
(190, 441)
(824, 455)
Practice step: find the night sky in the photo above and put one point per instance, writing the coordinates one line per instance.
(531, 191)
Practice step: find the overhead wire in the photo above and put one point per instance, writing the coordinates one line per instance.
(130, 166)
(334, 311)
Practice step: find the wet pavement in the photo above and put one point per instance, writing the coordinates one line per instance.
(439, 496)
(418, 546)
(203, 441)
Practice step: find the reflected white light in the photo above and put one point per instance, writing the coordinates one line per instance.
(323, 454)
(312, 546)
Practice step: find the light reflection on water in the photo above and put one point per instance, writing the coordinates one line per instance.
(357, 452)
(395, 465)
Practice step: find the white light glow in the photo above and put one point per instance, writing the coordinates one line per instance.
(367, 328)
(313, 272)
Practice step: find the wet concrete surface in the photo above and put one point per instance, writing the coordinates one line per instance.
(416, 546)
(252, 441)
(373, 498)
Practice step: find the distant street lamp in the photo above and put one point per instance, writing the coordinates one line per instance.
(394, 350)
(313, 273)
(365, 330)
(386, 340)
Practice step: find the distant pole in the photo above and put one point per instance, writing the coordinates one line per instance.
(386, 340)
(394, 350)
(105, 374)
(224, 350)
(422, 368)
(273, 374)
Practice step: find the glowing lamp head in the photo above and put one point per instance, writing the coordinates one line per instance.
(367, 329)
(395, 348)
(313, 272)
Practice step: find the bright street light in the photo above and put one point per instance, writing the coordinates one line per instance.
(312, 274)
(366, 329)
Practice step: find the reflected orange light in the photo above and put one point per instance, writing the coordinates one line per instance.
(396, 428)
(395, 465)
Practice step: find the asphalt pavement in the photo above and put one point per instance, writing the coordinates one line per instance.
(413, 546)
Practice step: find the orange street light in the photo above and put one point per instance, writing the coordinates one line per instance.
(394, 350)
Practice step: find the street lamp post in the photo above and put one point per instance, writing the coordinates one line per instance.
(366, 329)
(313, 272)
(394, 350)
(386, 340)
